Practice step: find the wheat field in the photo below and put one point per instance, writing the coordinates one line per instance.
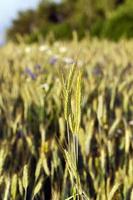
(66, 121)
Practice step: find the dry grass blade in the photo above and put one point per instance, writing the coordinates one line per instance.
(14, 186)
(67, 92)
(78, 103)
(67, 104)
(20, 186)
(113, 191)
(7, 188)
(3, 155)
(25, 178)
(100, 109)
(38, 169)
(37, 187)
(70, 77)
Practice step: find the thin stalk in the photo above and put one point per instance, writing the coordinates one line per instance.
(25, 194)
(68, 137)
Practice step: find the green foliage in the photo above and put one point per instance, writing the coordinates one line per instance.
(97, 28)
(120, 24)
(61, 31)
(60, 20)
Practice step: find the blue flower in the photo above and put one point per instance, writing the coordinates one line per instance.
(37, 67)
(97, 70)
(30, 73)
(53, 60)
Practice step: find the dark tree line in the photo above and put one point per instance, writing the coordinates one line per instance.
(67, 16)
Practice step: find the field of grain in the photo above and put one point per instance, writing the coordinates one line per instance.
(66, 121)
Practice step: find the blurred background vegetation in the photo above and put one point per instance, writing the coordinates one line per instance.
(112, 19)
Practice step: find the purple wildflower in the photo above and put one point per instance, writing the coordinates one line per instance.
(53, 60)
(97, 70)
(37, 67)
(30, 73)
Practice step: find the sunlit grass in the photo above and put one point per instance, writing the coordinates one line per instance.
(66, 121)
